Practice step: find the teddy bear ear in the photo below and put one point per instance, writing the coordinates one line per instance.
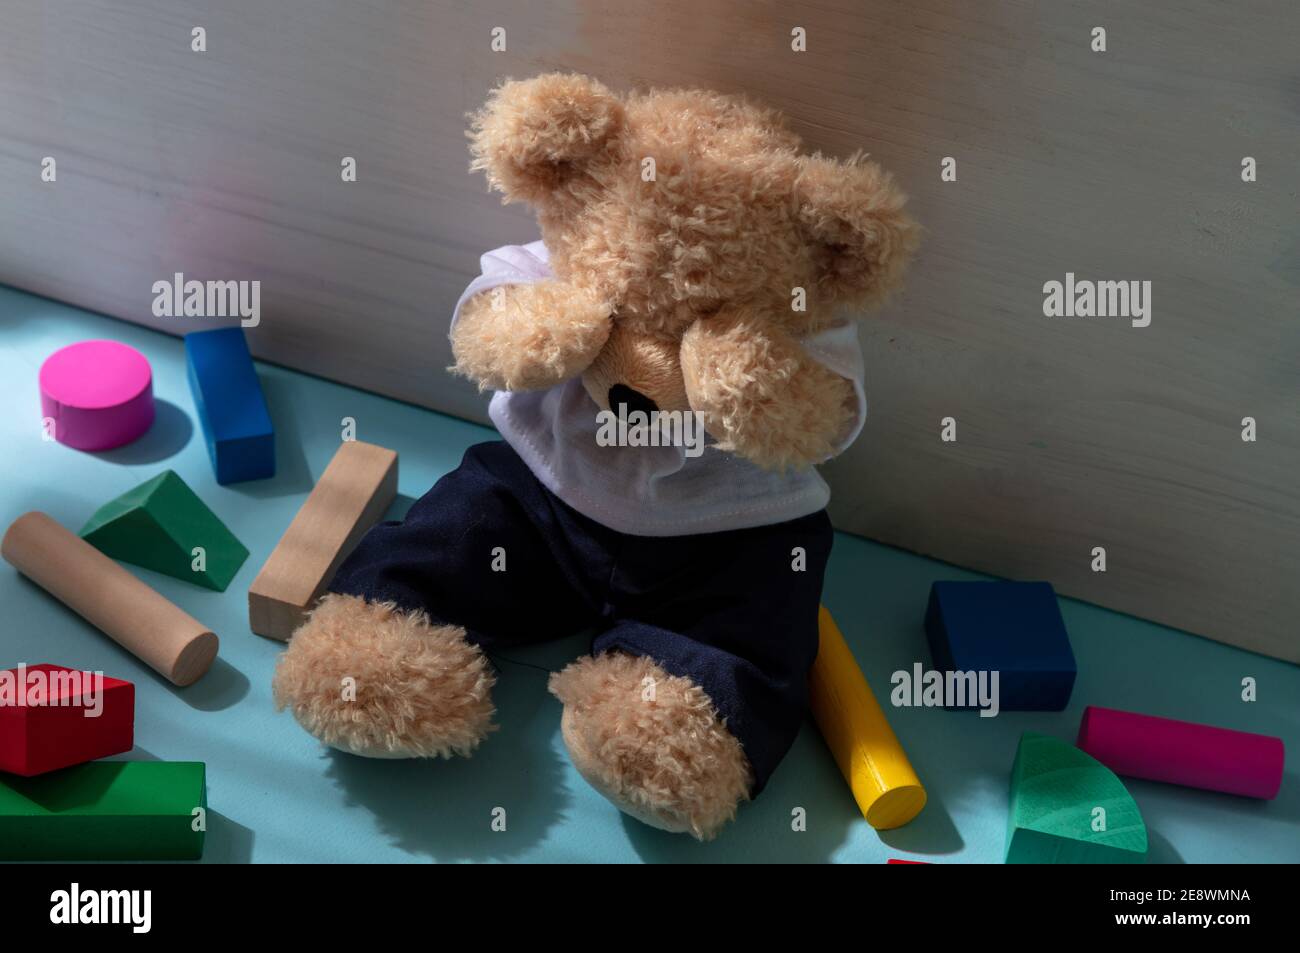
(535, 136)
(862, 239)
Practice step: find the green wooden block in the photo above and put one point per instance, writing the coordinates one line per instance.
(1056, 794)
(158, 525)
(105, 810)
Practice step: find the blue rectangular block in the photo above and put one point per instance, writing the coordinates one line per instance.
(232, 411)
(1013, 628)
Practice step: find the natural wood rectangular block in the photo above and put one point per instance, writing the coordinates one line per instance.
(352, 494)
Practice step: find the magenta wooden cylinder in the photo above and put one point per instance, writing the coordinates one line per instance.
(1183, 752)
(99, 394)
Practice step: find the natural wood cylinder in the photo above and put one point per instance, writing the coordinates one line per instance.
(138, 618)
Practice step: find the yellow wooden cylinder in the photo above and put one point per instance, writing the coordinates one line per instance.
(854, 726)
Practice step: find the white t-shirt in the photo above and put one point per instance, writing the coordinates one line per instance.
(650, 491)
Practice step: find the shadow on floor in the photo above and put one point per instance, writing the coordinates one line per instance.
(169, 435)
(445, 810)
(292, 474)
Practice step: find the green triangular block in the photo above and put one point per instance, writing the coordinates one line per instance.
(158, 525)
(1059, 798)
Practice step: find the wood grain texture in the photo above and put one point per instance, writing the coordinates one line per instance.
(1117, 165)
(352, 494)
(135, 616)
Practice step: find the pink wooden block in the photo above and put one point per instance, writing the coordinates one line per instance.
(99, 394)
(1183, 752)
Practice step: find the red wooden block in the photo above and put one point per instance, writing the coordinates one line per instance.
(52, 717)
(895, 860)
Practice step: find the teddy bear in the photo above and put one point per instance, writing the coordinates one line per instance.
(692, 261)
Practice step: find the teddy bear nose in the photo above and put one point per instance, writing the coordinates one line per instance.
(635, 400)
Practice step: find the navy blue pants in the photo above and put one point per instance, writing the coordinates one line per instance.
(726, 610)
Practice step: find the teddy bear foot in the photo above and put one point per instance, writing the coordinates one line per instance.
(652, 743)
(373, 680)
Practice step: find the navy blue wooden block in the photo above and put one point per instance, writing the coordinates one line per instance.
(232, 411)
(1013, 628)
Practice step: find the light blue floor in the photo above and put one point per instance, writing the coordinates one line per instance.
(277, 796)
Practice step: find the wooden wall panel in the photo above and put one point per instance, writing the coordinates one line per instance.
(1116, 165)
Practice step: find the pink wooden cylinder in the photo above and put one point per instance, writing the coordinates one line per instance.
(98, 393)
(1183, 752)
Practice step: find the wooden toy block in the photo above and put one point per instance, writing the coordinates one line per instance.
(98, 393)
(1183, 752)
(352, 494)
(1012, 628)
(160, 525)
(232, 410)
(1067, 808)
(52, 717)
(850, 719)
(105, 810)
(138, 618)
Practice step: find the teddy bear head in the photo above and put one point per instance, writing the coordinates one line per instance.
(693, 246)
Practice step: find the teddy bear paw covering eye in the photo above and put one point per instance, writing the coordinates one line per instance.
(712, 288)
